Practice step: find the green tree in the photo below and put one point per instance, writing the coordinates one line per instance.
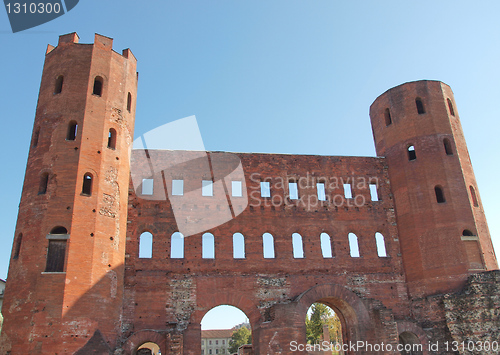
(240, 337)
(320, 315)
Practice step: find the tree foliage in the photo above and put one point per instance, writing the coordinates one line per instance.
(240, 337)
(320, 315)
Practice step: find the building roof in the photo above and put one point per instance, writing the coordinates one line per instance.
(216, 333)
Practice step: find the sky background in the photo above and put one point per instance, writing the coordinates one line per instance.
(273, 76)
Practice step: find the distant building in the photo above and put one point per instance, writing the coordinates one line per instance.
(2, 288)
(216, 341)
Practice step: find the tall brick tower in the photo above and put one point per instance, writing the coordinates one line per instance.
(441, 222)
(66, 273)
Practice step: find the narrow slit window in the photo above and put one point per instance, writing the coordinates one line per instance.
(347, 191)
(112, 138)
(353, 245)
(129, 102)
(236, 189)
(72, 131)
(265, 189)
(380, 241)
(473, 196)
(207, 188)
(208, 246)
(388, 119)
(298, 247)
(412, 155)
(36, 137)
(268, 246)
(147, 186)
(373, 192)
(56, 254)
(177, 246)
(420, 106)
(87, 185)
(98, 84)
(293, 190)
(326, 245)
(320, 187)
(44, 181)
(59, 84)
(439, 194)
(447, 146)
(146, 245)
(17, 249)
(450, 107)
(177, 187)
(238, 246)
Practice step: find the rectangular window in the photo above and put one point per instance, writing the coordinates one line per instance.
(216, 342)
(373, 192)
(293, 190)
(347, 191)
(236, 189)
(55, 256)
(177, 187)
(321, 191)
(147, 186)
(207, 188)
(265, 189)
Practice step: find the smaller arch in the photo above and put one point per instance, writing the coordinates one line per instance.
(450, 107)
(208, 246)
(72, 131)
(298, 247)
(17, 248)
(238, 246)
(129, 102)
(36, 137)
(412, 154)
(438, 190)
(420, 106)
(388, 118)
(148, 348)
(87, 184)
(475, 201)
(326, 245)
(353, 245)
(410, 344)
(44, 181)
(58, 85)
(146, 245)
(177, 246)
(112, 138)
(447, 146)
(59, 230)
(467, 233)
(268, 246)
(98, 85)
(380, 241)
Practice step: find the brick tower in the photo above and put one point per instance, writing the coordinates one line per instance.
(66, 271)
(442, 227)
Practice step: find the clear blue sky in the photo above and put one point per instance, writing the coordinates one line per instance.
(271, 76)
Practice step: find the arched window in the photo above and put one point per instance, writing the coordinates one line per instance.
(44, 181)
(388, 119)
(36, 136)
(467, 233)
(379, 239)
(447, 146)
(98, 84)
(439, 194)
(420, 105)
(112, 138)
(412, 155)
(17, 249)
(56, 251)
(326, 245)
(268, 246)
(473, 196)
(146, 245)
(129, 102)
(298, 247)
(87, 184)
(59, 84)
(208, 246)
(177, 246)
(59, 230)
(238, 246)
(72, 131)
(353, 245)
(450, 107)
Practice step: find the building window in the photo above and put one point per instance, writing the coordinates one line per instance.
(216, 342)
(379, 240)
(447, 146)
(147, 187)
(450, 107)
(236, 189)
(177, 246)
(59, 84)
(420, 106)
(467, 233)
(72, 131)
(473, 196)
(207, 188)
(146, 245)
(298, 247)
(208, 246)
(56, 253)
(353, 245)
(87, 184)
(373, 192)
(412, 155)
(268, 246)
(326, 245)
(265, 189)
(320, 187)
(347, 191)
(238, 246)
(129, 102)
(177, 187)
(36, 136)
(388, 119)
(17, 249)
(98, 84)
(439, 194)
(112, 138)
(293, 190)
(44, 181)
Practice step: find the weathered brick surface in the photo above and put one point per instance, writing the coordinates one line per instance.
(109, 300)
